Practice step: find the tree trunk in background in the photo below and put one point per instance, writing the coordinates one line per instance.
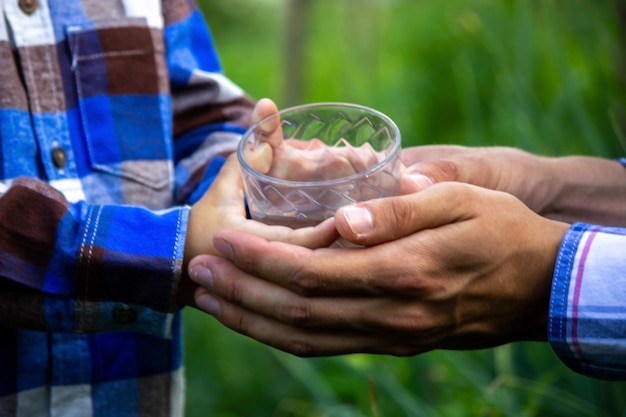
(295, 48)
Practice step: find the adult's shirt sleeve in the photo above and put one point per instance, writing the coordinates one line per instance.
(80, 267)
(587, 324)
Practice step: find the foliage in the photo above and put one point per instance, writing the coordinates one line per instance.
(541, 75)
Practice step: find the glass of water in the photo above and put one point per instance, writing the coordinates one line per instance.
(301, 164)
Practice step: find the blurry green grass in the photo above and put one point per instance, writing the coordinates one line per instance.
(540, 75)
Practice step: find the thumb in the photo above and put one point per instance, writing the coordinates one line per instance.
(270, 131)
(386, 219)
(266, 135)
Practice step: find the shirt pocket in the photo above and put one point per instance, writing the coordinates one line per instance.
(123, 99)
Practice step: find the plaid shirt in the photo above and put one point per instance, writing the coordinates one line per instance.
(110, 111)
(587, 326)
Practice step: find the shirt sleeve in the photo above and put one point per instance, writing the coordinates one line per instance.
(587, 324)
(210, 111)
(80, 267)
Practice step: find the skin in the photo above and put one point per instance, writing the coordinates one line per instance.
(437, 272)
(222, 207)
(297, 160)
(557, 188)
(300, 160)
(465, 263)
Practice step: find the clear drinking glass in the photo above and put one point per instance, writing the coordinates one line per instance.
(328, 155)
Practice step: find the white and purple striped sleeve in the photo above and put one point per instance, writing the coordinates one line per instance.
(587, 324)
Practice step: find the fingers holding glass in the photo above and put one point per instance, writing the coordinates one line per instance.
(328, 155)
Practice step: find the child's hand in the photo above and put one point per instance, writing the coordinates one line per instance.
(222, 207)
(299, 160)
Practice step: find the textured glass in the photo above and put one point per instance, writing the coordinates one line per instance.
(334, 154)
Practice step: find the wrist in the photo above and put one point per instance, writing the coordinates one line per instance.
(586, 189)
(529, 177)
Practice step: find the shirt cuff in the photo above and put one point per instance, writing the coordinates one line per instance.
(587, 321)
(130, 263)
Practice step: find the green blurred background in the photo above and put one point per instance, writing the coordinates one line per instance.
(546, 76)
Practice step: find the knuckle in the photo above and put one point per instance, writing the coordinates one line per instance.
(448, 171)
(408, 285)
(304, 282)
(296, 313)
(234, 292)
(399, 212)
(300, 348)
(406, 324)
(241, 326)
(440, 170)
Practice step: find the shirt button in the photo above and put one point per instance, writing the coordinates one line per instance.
(59, 157)
(28, 6)
(124, 315)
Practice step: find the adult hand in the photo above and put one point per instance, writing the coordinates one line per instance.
(558, 188)
(454, 266)
(498, 168)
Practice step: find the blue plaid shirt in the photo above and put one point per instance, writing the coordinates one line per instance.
(110, 112)
(587, 323)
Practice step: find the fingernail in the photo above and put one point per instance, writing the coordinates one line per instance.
(201, 275)
(422, 181)
(224, 248)
(359, 219)
(208, 303)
